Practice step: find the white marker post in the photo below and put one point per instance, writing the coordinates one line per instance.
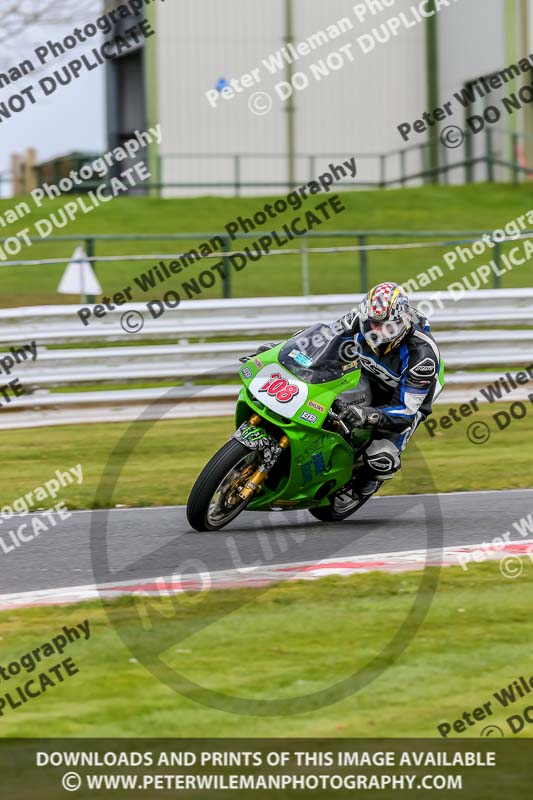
(79, 277)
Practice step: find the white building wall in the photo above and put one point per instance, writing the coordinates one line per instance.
(355, 110)
(471, 42)
(471, 45)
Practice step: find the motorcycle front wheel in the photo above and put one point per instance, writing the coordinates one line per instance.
(214, 499)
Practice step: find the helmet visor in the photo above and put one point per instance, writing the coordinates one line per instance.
(379, 333)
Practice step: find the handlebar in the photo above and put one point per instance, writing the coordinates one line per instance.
(337, 416)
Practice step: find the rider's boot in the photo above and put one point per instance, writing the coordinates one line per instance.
(367, 482)
(369, 488)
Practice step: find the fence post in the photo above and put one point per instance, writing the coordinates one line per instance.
(382, 171)
(515, 157)
(363, 266)
(425, 163)
(445, 173)
(305, 269)
(497, 261)
(469, 168)
(402, 166)
(226, 282)
(490, 164)
(89, 249)
(237, 160)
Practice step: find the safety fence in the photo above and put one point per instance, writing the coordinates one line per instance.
(494, 154)
(417, 259)
(482, 335)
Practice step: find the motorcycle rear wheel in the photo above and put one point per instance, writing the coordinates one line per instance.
(214, 502)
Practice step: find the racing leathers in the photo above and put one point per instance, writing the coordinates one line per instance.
(403, 381)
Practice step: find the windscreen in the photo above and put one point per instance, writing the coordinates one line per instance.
(313, 355)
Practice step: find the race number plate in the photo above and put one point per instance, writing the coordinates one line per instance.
(278, 390)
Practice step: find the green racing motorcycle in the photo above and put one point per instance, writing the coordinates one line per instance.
(291, 449)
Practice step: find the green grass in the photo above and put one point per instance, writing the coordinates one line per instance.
(473, 207)
(252, 643)
(163, 459)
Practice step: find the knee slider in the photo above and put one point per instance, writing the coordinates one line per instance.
(383, 458)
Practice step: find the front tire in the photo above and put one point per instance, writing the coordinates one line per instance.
(214, 502)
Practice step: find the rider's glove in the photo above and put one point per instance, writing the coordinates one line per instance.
(361, 416)
(262, 349)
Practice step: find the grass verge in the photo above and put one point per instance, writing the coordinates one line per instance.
(474, 641)
(166, 457)
(473, 207)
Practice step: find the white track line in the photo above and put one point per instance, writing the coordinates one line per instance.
(264, 575)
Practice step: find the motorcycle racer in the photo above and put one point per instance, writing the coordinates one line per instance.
(323, 417)
(391, 343)
(401, 361)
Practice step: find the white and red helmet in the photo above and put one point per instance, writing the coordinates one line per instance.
(385, 315)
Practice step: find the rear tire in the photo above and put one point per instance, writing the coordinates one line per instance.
(206, 512)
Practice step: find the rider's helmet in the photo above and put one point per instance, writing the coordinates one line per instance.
(385, 316)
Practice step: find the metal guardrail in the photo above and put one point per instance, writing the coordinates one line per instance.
(182, 402)
(193, 352)
(209, 320)
(57, 368)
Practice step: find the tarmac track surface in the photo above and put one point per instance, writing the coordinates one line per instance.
(130, 544)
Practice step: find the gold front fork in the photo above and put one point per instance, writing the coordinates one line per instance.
(253, 484)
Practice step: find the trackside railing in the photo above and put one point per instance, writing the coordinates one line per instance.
(494, 154)
(361, 245)
(195, 349)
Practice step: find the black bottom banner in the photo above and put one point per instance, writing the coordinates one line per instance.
(202, 769)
